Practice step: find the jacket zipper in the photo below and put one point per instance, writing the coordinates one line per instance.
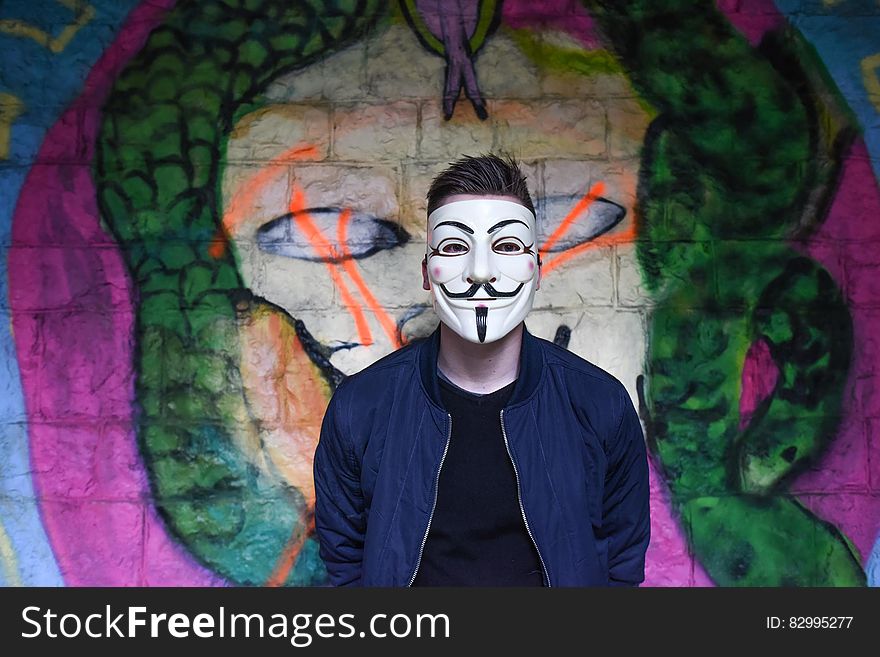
(519, 497)
(434, 507)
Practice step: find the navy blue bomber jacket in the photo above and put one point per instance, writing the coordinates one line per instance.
(571, 432)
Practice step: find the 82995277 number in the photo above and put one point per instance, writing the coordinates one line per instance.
(809, 622)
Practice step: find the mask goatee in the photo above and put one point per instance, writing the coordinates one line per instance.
(481, 323)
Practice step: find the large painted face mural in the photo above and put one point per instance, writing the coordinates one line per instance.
(370, 301)
(226, 218)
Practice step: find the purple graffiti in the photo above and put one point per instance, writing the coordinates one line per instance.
(454, 23)
(73, 315)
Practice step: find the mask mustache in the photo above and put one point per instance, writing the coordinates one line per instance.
(473, 289)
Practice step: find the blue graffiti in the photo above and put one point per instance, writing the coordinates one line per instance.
(843, 44)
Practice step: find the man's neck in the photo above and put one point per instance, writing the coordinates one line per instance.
(479, 368)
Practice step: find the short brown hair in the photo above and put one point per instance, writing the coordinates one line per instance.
(487, 174)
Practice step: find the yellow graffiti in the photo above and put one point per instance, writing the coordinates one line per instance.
(82, 14)
(871, 78)
(8, 563)
(10, 108)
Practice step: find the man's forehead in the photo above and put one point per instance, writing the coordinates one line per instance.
(478, 210)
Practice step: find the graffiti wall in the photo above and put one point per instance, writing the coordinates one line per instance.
(213, 212)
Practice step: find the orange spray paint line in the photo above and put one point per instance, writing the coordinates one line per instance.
(348, 264)
(595, 192)
(606, 240)
(290, 552)
(325, 250)
(248, 194)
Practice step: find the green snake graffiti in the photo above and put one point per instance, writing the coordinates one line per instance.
(158, 177)
(727, 168)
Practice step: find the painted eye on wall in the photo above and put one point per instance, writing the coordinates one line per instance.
(329, 235)
(600, 216)
(509, 246)
(453, 247)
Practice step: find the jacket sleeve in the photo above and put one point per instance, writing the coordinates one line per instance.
(626, 510)
(339, 504)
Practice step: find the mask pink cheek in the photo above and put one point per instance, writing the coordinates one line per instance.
(444, 272)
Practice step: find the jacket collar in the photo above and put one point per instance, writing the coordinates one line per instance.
(531, 366)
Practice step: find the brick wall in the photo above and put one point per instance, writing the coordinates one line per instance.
(213, 212)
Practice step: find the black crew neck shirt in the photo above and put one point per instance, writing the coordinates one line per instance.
(478, 535)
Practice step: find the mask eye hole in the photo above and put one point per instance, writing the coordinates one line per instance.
(453, 247)
(509, 246)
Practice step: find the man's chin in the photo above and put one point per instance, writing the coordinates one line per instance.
(472, 333)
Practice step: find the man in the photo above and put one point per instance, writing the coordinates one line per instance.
(482, 455)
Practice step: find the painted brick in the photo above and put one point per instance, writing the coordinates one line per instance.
(866, 355)
(627, 122)
(32, 562)
(355, 129)
(464, 134)
(92, 461)
(582, 280)
(253, 195)
(873, 429)
(417, 177)
(420, 321)
(79, 358)
(332, 329)
(570, 84)
(618, 179)
(613, 340)
(857, 196)
(857, 515)
(504, 71)
(844, 464)
(817, 10)
(828, 254)
(546, 323)
(68, 278)
(668, 561)
(364, 189)
(268, 133)
(11, 401)
(107, 547)
(340, 77)
(68, 192)
(397, 66)
(861, 262)
(15, 468)
(543, 129)
(252, 263)
(76, 149)
(291, 283)
(167, 562)
(394, 276)
(372, 113)
(632, 291)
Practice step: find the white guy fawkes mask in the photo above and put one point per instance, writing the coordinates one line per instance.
(482, 262)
